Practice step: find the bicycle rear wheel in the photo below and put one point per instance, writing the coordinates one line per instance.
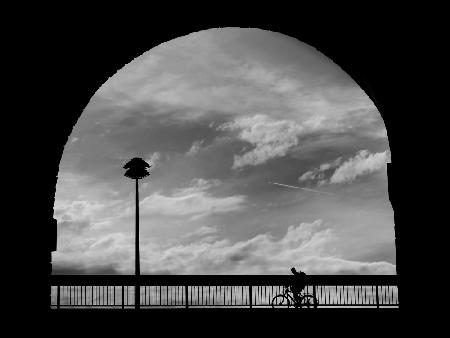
(280, 301)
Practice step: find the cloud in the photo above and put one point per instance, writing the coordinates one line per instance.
(196, 145)
(202, 234)
(79, 215)
(363, 163)
(79, 269)
(76, 226)
(303, 246)
(202, 231)
(319, 173)
(153, 159)
(271, 138)
(193, 201)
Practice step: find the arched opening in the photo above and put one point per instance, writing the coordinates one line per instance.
(363, 155)
(220, 114)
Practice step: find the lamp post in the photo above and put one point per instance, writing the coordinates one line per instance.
(136, 169)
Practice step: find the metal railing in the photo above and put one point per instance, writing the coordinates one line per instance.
(216, 291)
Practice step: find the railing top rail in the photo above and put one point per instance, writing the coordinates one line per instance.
(220, 279)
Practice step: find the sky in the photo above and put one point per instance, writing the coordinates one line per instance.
(219, 114)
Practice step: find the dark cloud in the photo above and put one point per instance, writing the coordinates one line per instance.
(379, 252)
(78, 269)
(73, 226)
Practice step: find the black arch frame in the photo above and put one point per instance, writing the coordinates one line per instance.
(371, 62)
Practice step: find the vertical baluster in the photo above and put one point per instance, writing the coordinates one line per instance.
(123, 297)
(58, 297)
(378, 302)
(314, 295)
(150, 288)
(265, 293)
(354, 300)
(338, 298)
(232, 296)
(346, 293)
(271, 293)
(250, 295)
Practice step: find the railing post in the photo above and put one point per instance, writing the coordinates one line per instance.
(123, 296)
(314, 295)
(137, 295)
(186, 299)
(58, 297)
(250, 296)
(378, 301)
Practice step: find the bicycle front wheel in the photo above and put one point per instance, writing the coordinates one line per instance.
(280, 301)
(308, 301)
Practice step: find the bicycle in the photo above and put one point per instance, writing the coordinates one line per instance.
(286, 299)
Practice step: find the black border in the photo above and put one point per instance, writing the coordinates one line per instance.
(73, 62)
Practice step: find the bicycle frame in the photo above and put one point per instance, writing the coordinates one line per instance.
(289, 295)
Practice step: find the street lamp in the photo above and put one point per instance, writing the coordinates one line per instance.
(136, 169)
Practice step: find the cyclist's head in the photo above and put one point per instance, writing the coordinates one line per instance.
(293, 270)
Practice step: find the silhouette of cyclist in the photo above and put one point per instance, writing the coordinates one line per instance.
(298, 284)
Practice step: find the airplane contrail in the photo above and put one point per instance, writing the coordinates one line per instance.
(295, 187)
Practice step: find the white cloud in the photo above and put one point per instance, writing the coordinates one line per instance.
(193, 201)
(362, 164)
(271, 138)
(303, 246)
(196, 145)
(78, 215)
(307, 176)
(154, 159)
(319, 173)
